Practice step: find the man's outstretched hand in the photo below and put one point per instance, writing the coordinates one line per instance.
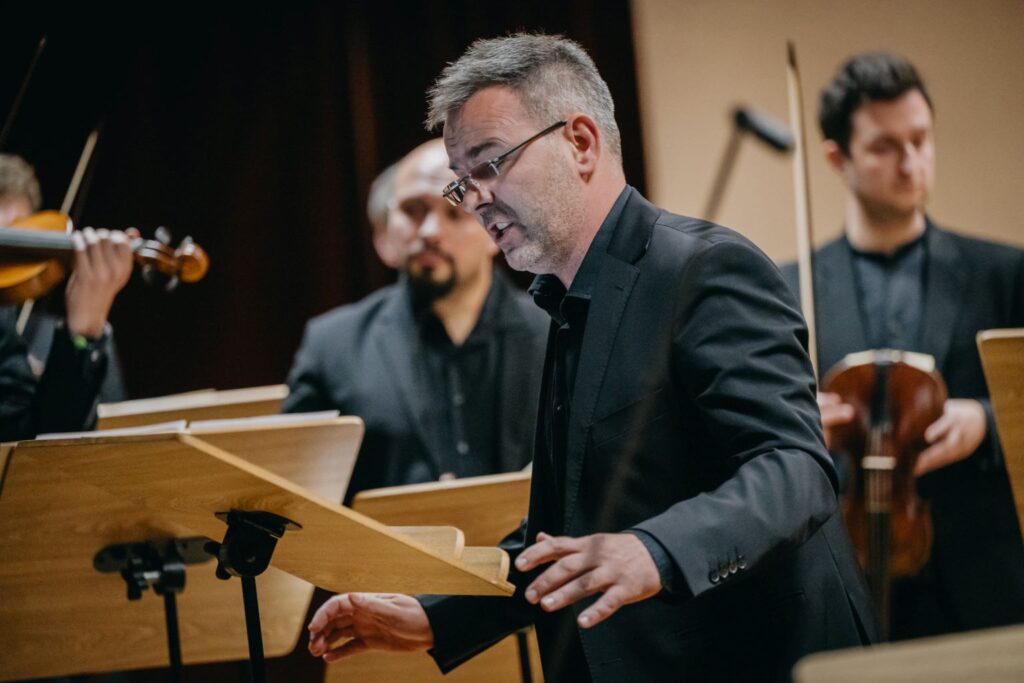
(350, 623)
(616, 565)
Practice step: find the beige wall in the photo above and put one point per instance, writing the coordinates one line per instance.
(698, 58)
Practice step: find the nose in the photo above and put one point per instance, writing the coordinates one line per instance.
(909, 159)
(478, 195)
(429, 227)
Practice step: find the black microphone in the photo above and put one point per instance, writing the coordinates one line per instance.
(771, 131)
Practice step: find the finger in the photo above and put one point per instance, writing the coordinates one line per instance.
(555, 576)
(837, 414)
(585, 584)
(933, 457)
(352, 647)
(82, 265)
(321, 641)
(106, 252)
(549, 549)
(605, 606)
(122, 256)
(937, 430)
(828, 399)
(334, 608)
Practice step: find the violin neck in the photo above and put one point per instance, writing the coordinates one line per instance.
(40, 243)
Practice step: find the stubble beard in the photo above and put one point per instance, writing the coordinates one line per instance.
(549, 223)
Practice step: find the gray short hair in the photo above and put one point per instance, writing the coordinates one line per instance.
(553, 76)
(18, 179)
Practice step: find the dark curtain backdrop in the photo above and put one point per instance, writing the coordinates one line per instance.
(257, 132)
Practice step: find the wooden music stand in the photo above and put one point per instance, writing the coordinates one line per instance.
(63, 500)
(205, 404)
(989, 656)
(486, 509)
(1002, 357)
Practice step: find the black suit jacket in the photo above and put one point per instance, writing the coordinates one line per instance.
(971, 285)
(362, 360)
(62, 400)
(694, 419)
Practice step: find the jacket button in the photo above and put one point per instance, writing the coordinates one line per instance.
(733, 567)
(714, 576)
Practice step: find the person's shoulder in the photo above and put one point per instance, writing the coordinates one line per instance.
(686, 238)
(354, 315)
(985, 251)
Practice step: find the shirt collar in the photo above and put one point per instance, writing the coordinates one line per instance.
(901, 254)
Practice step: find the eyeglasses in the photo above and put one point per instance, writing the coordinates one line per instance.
(455, 191)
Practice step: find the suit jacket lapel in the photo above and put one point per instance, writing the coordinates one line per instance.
(615, 280)
(945, 289)
(840, 328)
(400, 357)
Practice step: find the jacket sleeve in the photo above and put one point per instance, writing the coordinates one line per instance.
(306, 391)
(739, 355)
(466, 626)
(62, 400)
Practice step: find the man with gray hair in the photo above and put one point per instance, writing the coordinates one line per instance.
(683, 520)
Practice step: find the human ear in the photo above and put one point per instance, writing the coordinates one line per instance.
(585, 138)
(834, 156)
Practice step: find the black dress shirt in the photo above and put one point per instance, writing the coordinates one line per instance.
(462, 420)
(890, 294)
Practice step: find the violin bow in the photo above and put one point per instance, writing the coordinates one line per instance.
(13, 113)
(802, 190)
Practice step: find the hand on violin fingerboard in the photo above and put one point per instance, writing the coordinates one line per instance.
(103, 265)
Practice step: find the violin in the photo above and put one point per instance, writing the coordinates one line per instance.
(36, 252)
(895, 395)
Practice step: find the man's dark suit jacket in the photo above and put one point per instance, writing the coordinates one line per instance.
(62, 400)
(362, 360)
(971, 285)
(694, 419)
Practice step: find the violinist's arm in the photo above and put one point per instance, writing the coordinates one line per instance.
(68, 390)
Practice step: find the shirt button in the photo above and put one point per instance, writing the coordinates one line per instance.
(462, 447)
(458, 399)
(558, 408)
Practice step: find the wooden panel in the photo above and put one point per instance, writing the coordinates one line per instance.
(58, 616)
(336, 548)
(498, 664)
(206, 404)
(318, 456)
(485, 508)
(979, 657)
(1002, 356)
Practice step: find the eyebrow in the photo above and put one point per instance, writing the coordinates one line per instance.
(475, 152)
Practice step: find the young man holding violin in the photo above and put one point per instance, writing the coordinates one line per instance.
(896, 280)
(64, 396)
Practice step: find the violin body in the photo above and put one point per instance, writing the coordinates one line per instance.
(24, 275)
(896, 395)
(36, 253)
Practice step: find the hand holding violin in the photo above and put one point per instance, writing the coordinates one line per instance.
(834, 413)
(954, 436)
(103, 265)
